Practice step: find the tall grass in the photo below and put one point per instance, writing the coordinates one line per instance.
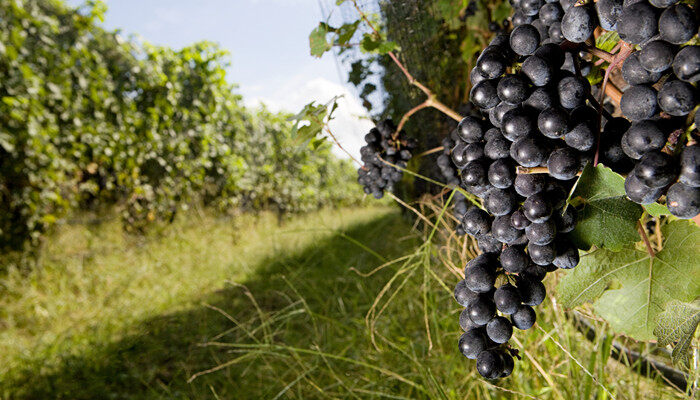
(247, 309)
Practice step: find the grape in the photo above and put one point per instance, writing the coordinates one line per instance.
(499, 201)
(563, 164)
(472, 342)
(481, 310)
(465, 322)
(496, 114)
(503, 231)
(655, 169)
(513, 89)
(637, 23)
(474, 174)
(518, 220)
(644, 136)
(541, 233)
(608, 13)
(475, 76)
(517, 123)
(499, 329)
(528, 151)
(513, 259)
(531, 7)
(375, 176)
(638, 102)
(566, 220)
(553, 122)
(634, 73)
(683, 201)
(580, 137)
(501, 174)
(578, 24)
(463, 295)
(657, 56)
(524, 318)
(572, 92)
(476, 221)
(507, 299)
(537, 70)
(690, 166)
(491, 64)
(677, 24)
(528, 184)
(677, 98)
(532, 292)
(686, 64)
(567, 255)
(521, 19)
(536, 208)
(541, 254)
(640, 193)
(489, 364)
(497, 148)
(470, 129)
(555, 33)
(480, 278)
(524, 39)
(484, 94)
(551, 13)
(508, 365)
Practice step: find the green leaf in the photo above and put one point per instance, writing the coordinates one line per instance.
(370, 44)
(311, 120)
(656, 209)
(677, 324)
(318, 43)
(607, 218)
(607, 41)
(629, 288)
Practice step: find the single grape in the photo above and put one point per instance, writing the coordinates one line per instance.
(503, 231)
(514, 259)
(518, 220)
(537, 208)
(528, 151)
(497, 148)
(476, 221)
(472, 342)
(524, 39)
(639, 102)
(528, 184)
(565, 220)
(521, 19)
(578, 24)
(463, 295)
(608, 13)
(683, 201)
(524, 318)
(637, 23)
(656, 169)
(644, 136)
(563, 164)
(470, 129)
(572, 92)
(532, 292)
(555, 33)
(551, 13)
(541, 233)
(531, 7)
(496, 114)
(488, 244)
(538, 70)
(686, 64)
(489, 364)
(640, 193)
(501, 173)
(540, 99)
(474, 174)
(491, 64)
(507, 299)
(567, 255)
(541, 254)
(677, 98)
(508, 365)
(678, 24)
(690, 165)
(475, 76)
(581, 137)
(553, 122)
(499, 329)
(465, 322)
(481, 310)
(500, 201)
(517, 123)
(512, 89)
(657, 56)
(484, 94)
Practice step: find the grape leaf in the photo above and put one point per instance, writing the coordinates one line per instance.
(677, 324)
(318, 43)
(656, 209)
(371, 44)
(630, 288)
(607, 218)
(607, 41)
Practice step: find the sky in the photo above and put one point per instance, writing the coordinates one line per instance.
(268, 42)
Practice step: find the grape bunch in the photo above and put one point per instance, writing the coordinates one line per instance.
(539, 110)
(384, 147)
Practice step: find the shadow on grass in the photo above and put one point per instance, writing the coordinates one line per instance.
(156, 358)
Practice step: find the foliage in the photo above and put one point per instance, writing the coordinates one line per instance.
(631, 289)
(91, 120)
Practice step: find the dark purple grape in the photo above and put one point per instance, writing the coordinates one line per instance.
(499, 329)
(500, 201)
(528, 184)
(491, 64)
(608, 13)
(567, 255)
(563, 164)
(482, 310)
(686, 64)
(683, 201)
(541, 254)
(507, 299)
(639, 102)
(524, 39)
(489, 364)
(677, 98)
(541, 233)
(640, 193)
(532, 292)
(513, 89)
(657, 56)
(472, 342)
(524, 318)
(637, 23)
(518, 220)
(484, 94)
(528, 152)
(553, 122)
(678, 24)
(503, 231)
(537, 208)
(517, 123)
(538, 70)
(463, 295)
(572, 92)
(476, 221)
(470, 129)
(501, 173)
(513, 259)
(634, 73)
(578, 24)
(656, 169)
(690, 166)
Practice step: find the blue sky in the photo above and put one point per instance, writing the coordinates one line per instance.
(268, 42)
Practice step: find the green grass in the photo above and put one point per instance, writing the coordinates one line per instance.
(272, 312)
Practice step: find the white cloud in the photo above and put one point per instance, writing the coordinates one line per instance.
(350, 123)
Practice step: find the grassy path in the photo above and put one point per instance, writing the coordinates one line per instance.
(109, 316)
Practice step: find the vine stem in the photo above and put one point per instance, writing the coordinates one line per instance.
(410, 112)
(644, 236)
(431, 151)
(431, 101)
(535, 170)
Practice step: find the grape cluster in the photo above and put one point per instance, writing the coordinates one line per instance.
(384, 147)
(538, 111)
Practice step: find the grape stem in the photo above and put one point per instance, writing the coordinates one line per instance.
(431, 151)
(337, 142)
(535, 170)
(432, 101)
(644, 236)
